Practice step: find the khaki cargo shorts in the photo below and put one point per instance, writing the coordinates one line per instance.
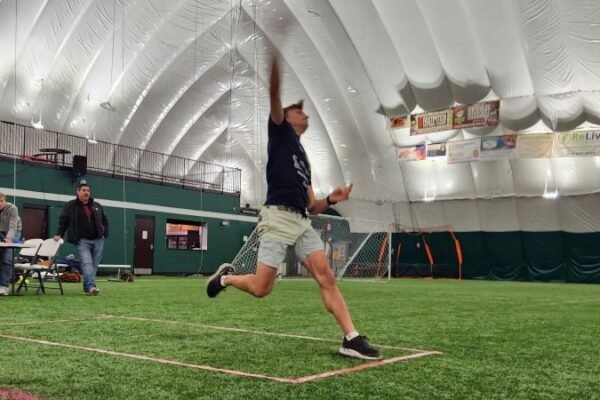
(279, 228)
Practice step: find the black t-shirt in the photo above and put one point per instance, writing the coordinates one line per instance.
(288, 170)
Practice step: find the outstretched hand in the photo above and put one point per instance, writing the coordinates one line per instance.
(341, 193)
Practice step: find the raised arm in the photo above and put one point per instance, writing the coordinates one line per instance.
(317, 206)
(276, 108)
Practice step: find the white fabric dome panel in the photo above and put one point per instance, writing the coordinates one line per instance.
(189, 79)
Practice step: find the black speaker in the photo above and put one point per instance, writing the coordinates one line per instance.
(79, 166)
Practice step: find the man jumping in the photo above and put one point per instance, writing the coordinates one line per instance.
(284, 222)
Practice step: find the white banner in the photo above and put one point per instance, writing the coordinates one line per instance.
(463, 151)
(436, 150)
(414, 153)
(431, 121)
(399, 122)
(577, 144)
(534, 145)
(498, 147)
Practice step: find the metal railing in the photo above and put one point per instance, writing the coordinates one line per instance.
(56, 149)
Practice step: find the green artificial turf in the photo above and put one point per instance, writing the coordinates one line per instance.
(500, 340)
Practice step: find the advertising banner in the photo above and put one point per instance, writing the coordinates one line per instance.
(463, 151)
(480, 114)
(436, 150)
(432, 121)
(497, 147)
(534, 145)
(414, 153)
(399, 122)
(577, 144)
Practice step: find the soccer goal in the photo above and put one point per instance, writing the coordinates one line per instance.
(432, 252)
(371, 260)
(350, 254)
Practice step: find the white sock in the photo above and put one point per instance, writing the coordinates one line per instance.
(223, 281)
(351, 335)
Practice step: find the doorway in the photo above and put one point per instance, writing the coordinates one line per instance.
(143, 256)
(35, 222)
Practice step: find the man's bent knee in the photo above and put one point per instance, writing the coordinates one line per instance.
(263, 281)
(261, 290)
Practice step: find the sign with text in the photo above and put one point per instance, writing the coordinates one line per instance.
(497, 147)
(432, 121)
(472, 115)
(436, 150)
(577, 144)
(399, 122)
(463, 151)
(414, 153)
(534, 145)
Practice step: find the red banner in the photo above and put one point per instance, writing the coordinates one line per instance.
(480, 114)
(399, 122)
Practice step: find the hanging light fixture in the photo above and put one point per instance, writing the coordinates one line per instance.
(36, 120)
(550, 194)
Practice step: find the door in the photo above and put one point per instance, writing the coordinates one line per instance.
(143, 256)
(35, 222)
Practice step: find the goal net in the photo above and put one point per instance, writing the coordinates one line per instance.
(371, 259)
(350, 254)
(433, 252)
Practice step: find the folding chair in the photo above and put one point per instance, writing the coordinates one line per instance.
(27, 256)
(43, 267)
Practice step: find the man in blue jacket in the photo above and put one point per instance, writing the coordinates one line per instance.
(87, 226)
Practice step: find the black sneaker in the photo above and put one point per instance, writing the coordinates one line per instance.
(359, 348)
(213, 285)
